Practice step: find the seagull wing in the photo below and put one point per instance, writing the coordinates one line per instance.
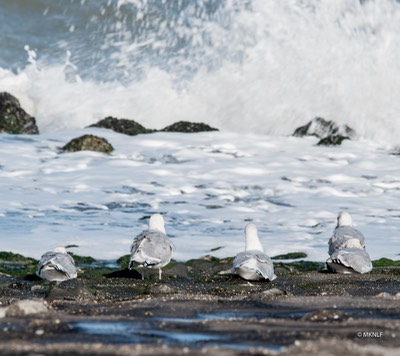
(61, 262)
(151, 248)
(254, 263)
(344, 237)
(351, 258)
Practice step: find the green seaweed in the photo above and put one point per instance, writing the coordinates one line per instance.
(204, 259)
(17, 265)
(302, 266)
(290, 256)
(123, 261)
(88, 143)
(85, 260)
(15, 257)
(385, 262)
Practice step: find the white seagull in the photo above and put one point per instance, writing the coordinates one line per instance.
(57, 265)
(347, 248)
(345, 235)
(349, 260)
(253, 264)
(152, 248)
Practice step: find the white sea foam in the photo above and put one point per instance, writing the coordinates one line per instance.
(98, 201)
(261, 66)
(256, 70)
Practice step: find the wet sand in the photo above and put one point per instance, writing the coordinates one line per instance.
(199, 308)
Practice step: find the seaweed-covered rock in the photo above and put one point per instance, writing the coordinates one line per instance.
(123, 261)
(125, 126)
(14, 119)
(290, 256)
(82, 260)
(332, 140)
(186, 126)
(322, 128)
(16, 264)
(385, 262)
(88, 143)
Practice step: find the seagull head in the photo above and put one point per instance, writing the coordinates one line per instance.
(60, 249)
(344, 219)
(252, 240)
(156, 222)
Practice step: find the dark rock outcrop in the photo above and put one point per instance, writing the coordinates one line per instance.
(186, 126)
(332, 140)
(131, 127)
(124, 126)
(322, 128)
(88, 143)
(14, 119)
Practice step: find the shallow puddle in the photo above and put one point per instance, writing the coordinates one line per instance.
(144, 332)
(204, 328)
(140, 332)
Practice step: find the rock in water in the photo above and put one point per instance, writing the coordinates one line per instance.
(322, 128)
(89, 143)
(125, 126)
(332, 140)
(186, 126)
(14, 119)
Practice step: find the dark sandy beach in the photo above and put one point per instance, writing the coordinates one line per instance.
(200, 308)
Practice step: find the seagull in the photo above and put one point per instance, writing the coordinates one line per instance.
(57, 265)
(152, 248)
(345, 235)
(347, 248)
(350, 260)
(253, 264)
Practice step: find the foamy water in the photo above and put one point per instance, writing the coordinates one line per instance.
(260, 66)
(208, 186)
(254, 69)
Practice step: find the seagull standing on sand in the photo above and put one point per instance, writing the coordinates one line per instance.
(347, 248)
(253, 264)
(152, 248)
(57, 266)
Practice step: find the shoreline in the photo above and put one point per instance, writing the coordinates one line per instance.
(200, 308)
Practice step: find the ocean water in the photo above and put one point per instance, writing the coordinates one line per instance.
(207, 185)
(256, 66)
(255, 69)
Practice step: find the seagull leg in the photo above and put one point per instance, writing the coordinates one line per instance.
(159, 274)
(142, 272)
